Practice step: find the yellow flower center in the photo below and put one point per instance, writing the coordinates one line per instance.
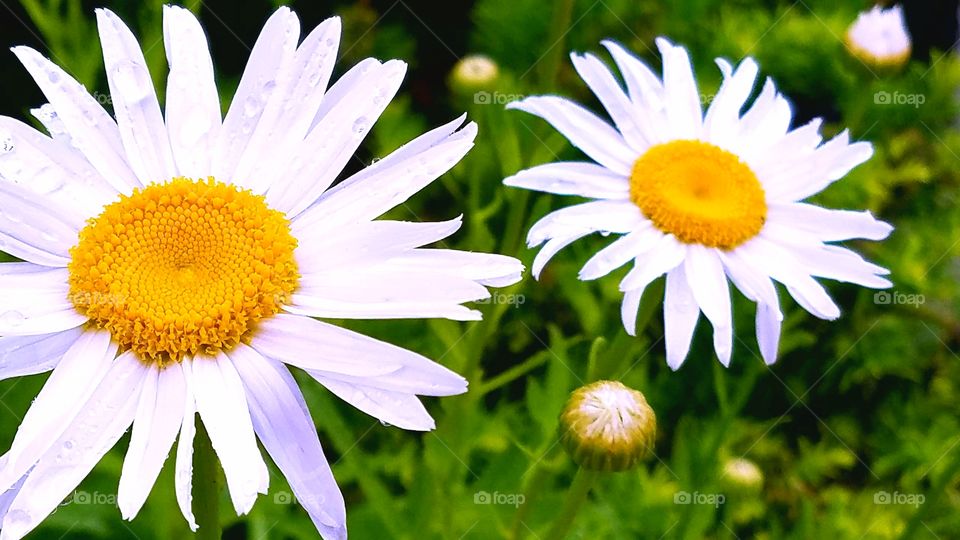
(183, 268)
(700, 193)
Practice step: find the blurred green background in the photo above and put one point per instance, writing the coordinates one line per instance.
(855, 429)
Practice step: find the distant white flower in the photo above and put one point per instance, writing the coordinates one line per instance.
(880, 37)
(700, 198)
(175, 261)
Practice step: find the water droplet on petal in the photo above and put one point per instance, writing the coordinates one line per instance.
(132, 82)
(18, 517)
(6, 143)
(12, 318)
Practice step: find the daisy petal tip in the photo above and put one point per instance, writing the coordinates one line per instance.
(674, 362)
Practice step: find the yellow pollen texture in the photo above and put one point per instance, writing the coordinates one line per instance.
(182, 268)
(700, 193)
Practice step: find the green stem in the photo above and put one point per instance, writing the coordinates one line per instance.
(562, 14)
(206, 487)
(582, 483)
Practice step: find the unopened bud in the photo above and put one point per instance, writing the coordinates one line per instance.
(879, 38)
(607, 426)
(742, 475)
(473, 73)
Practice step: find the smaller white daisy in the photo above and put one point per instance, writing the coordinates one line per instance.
(700, 197)
(879, 37)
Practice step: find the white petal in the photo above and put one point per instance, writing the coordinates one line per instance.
(769, 320)
(621, 251)
(757, 286)
(680, 314)
(7, 497)
(36, 229)
(98, 425)
(277, 148)
(782, 266)
(765, 122)
(573, 178)
(708, 282)
(158, 420)
(35, 302)
(644, 87)
(366, 243)
(183, 481)
(52, 169)
(684, 115)
(395, 408)
(392, 180)
(321, 157)
(829, 225)
(338, 353)
(271, 57)
(617, 104)
(286, 429)
(486, 269)
(552, 247)
(29, 355)
(594, 216)
(72, 382)
(585, 130)
(723, 116)
(629, 308)
(343, 87)
(91, 129)
(795, 179)
(223, 408)
(192, 102)
(135, 104)
(666, 255)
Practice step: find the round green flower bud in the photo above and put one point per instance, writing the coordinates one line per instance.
(606, 426)
(474, 72)
(742, 475)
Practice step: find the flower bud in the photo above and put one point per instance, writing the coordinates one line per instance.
(473, 73)
(879, 38)
(606, 426)
(742, 475)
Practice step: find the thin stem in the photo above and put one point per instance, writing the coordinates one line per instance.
(206, 487)
(582, 483)
(550, 67)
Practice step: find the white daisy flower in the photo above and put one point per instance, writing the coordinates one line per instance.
(700, 198)
(174, 260)
(879, 37)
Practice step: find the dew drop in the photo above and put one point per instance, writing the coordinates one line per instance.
(12, 318)
(54, 76)
(385, 424)
(6, 143)
(132, 82)
(360, 126)
(18, 517)
(251, 106)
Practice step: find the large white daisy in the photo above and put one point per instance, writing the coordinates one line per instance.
(174, 259)
(700, 197)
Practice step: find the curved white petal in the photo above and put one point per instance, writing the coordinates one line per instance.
(71, 384)
(158, 420)
(487, 269)
(392, 180)
(795, 179)
(829, 225)
(681, 97)
(399, 409)
(708, 282)
(37, 230)
(319, 159)
(278, 148)
(92, 130)
(621, 251)
(286, 429)
(573, 178)
(666, 255)
(723, 116)
(758, 287)
(222, 405)
(192, 102)
(271, 57)
(29, 355)
(337, 353)
(680, 314)
(135, 104)
(589, 217)
(183, 480)
(98, 425)
(51, 169)
(35, 302)
(614, 100)
(585, 130)
(782, 266)
(643, 85)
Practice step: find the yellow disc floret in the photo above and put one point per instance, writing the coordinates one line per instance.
(182, 268)
(700, 193)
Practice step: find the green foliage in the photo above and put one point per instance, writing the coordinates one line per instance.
(854, 410)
